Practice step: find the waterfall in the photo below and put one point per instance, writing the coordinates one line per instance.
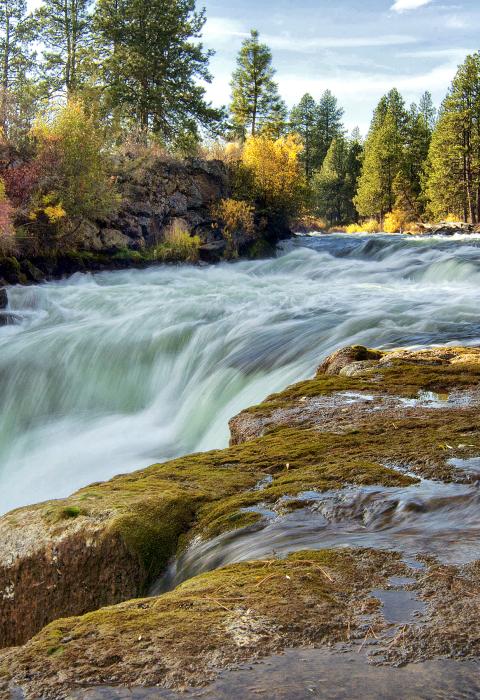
(111, 372)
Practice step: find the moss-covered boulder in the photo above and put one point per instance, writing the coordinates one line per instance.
(366, 418)
(410, 408)
(109, 541)
(184, 638)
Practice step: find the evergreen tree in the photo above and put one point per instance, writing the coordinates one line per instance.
(65, 29)
(452, 173)
(330, 183)
(16, 58)
(353, 170)
(427, 111)
(276, 124)
(303, 121)
(152, 62)
(408, 182)
(335, 184)
(329, 125)
(255, 99)
(356, 136)
(383, 158)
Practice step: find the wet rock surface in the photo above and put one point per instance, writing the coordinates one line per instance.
(303, 673)
(375, 459)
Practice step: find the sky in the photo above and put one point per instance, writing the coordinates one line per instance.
(359, 49)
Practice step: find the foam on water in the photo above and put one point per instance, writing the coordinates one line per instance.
(111, 372)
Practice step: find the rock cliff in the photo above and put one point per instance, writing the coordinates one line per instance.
(154, 194)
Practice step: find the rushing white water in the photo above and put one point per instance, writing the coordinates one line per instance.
(108, 373)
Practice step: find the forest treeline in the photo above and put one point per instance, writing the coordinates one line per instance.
(81, 82)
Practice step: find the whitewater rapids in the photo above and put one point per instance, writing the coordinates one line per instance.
(111, 372)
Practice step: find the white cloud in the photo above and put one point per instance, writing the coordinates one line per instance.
(455, 22)
(453, 53)
(405, 5)
(222, 30)
(305, 45)
(360, 85)
(219, 30)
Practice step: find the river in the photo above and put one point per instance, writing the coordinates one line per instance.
(107, 373)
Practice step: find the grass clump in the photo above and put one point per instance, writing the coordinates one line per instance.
(178, 244)
(71, 512)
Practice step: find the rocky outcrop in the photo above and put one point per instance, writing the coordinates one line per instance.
(357, 388)
(445, 228)
(6, 319)
(49, 572)
(367, 418)
(104, 544)
(155, 193)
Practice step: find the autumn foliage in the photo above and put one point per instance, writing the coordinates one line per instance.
(276, 172)
(7, 236)
(237, 217)
(70, 147)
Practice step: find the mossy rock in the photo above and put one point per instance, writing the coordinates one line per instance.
(223, 618)
(138, 521)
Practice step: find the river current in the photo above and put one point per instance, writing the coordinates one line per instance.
(107, 373)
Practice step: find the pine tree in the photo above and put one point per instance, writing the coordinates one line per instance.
(329, 125)
(383, 158)
(408, 182)
(303, 121)
(152, 64)
(427, 111)
(276, 124)
(64, 27)
(16, 58)
(353, 170)
(330, 183)
(255, 99)
(335, 184)
(452, 173)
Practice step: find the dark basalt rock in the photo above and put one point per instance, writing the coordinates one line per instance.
(3, 298)
(212, 252)
(7, 319)
(153, 196)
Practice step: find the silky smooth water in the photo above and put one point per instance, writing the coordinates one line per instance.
(111, 372)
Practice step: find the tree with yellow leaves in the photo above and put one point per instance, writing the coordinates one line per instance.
(276, 173)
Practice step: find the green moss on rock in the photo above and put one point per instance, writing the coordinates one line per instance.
(215, 620)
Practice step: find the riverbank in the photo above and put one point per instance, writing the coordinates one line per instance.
(378, 452)
(166, 211)
(311, 225)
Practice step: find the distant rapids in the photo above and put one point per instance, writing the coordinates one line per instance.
(111, 372)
